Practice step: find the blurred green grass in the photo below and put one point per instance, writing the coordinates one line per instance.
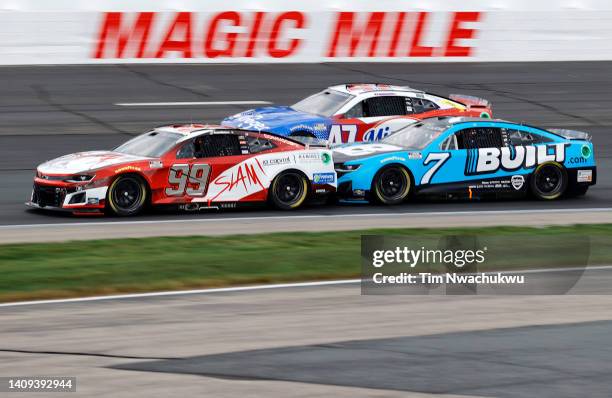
(84, 268)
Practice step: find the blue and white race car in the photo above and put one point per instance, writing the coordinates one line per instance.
(466, 158)
(353, 112)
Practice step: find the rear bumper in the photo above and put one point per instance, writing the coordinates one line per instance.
(580, 176)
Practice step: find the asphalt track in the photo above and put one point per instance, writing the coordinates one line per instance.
(47, 111)
(320, 341)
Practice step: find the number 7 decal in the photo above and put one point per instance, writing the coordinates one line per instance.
(180, 175)
(439, 158)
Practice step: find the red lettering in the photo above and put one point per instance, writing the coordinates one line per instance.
(254, 34)
(416, 50)
(112, 34)
(182, 25)
(252, 175)
(273, 50)
(347, 31)
(458, 32)
(230, 38)
(399, 25)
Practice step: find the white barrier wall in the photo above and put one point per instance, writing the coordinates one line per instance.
(80, 32)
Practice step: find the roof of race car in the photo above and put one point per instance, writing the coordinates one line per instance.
(361, 88)
(188, 128)
(448, 121)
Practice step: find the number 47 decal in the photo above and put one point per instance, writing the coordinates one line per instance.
(181, 174)
(438, 159)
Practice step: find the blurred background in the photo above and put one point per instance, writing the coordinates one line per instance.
(79, 75)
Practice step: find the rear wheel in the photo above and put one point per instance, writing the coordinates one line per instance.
(127, 195)
(289, 190)
(548, 181)
(391, 185)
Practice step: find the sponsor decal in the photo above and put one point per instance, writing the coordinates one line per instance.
(321, 190)
(276, 161)
(239, 181)
(324, 178)
(501, 184)
(490, 160)
(415, 155)
(300, 127)
(156, 164)
(584, 176)
(393, 158)
(319, 127)
(586, 151)
(376, 134)
(308, 157)
(249, 121)
(517, 182)
(325, 157)
(127, 168)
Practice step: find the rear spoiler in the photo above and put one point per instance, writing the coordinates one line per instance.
(571, 134)
(470, 101)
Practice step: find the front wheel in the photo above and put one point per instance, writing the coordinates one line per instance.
(391, 185)
(548, 181)
(289, 190)
(127, 195)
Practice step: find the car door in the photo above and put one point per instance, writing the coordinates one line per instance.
(464, 161)
(200, 162)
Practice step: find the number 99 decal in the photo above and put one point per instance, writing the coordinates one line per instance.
(186, 180)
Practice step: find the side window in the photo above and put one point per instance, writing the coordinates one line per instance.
(449, 144)
(215, 145)
(186, 151)
(522, 138)
(257, 144)
(480, 137)
(386, 106)
(355, 112)
(421, 105)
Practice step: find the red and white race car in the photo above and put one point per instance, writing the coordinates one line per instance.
(193, 166)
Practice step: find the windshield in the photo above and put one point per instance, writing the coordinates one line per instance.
(325, 103)
(152, 144)
(416, 136)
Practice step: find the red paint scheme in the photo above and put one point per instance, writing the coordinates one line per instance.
(157, 178)
(362, 128)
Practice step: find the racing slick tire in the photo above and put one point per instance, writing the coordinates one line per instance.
(127, 195)
(548, 181)
(392, 185)
(289, 190)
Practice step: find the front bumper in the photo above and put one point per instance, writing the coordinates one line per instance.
(71, 198)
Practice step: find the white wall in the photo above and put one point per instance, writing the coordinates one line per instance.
(79, 32)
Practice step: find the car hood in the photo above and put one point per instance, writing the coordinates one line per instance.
(86, 161)
(270, 117)
(347, 153)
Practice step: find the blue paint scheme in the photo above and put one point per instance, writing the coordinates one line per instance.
(453, 170)
(281, 120)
